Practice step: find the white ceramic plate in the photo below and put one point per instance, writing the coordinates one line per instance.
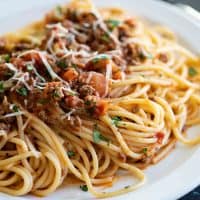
(179, 172)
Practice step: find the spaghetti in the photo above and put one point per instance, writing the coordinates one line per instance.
(85, 94)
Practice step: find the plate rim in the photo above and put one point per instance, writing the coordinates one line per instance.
(190, 166)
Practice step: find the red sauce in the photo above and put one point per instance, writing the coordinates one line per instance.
(160, 137)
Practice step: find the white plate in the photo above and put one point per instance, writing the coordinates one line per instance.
(179, 172)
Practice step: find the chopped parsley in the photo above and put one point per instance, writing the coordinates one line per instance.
(103, 138)
(71, 153)
(71, 93)
(149, 56)
(74, 66)
(116, 120)
(144, 54)
(61, 64)
(7, 58)
(192, 71)
(101, 57)
(84, 188)
(144, 150)
(88, 102)
(112, 24)
(105, 37)
(1, 87)
(29, 67)
(22, 91)
(55, 94)
(126, 187)
(15, 108)
(97, 136)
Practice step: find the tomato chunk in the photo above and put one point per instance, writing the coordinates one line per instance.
(96, 80)
(160, 137)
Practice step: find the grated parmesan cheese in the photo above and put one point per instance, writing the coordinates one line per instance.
(108, 71)
(68, 115)
(12, 115)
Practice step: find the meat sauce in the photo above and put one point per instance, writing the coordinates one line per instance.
(68, 72)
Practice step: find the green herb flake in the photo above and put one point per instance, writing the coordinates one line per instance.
(58, 11)
(126, 187)
(112, 23)
(105, 37)
(192, 71)
(116, 120)
(71, 153)
(101, 57)
(149, 56)
(144, 150)
(144, 54)
(97, 136)
(103, 138)
(88, 103)
(2, 87)
(55, 94)
(15, 108)
(61, 64)
(29, 67)
(22, 91)
(74, 66)
(7, 58)
(84, 188)
(71, 93)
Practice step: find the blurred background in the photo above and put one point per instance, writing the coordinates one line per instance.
(194, 3)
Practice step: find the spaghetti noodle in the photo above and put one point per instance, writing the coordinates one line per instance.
(85, 94)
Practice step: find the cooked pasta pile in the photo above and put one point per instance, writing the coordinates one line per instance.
(86, 93)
